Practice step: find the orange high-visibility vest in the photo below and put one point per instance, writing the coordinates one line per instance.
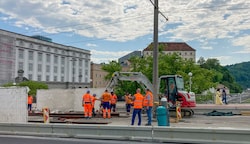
(148, 99)
(113, 99)
(138, 101)
(30, 99)
(106, 97)
(128, 99)
(87, 98)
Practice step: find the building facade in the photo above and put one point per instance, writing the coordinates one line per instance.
(181, 48)
(59, 66)
(98, 76)
(124, 60)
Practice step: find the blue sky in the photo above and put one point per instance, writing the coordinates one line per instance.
(111, 29)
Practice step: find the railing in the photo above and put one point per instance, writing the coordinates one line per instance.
(131, 133)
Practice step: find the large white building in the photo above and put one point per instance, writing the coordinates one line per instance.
(58, 65)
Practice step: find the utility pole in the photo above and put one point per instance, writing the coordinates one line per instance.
(155, 53)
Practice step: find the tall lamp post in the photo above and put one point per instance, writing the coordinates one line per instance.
(190, 80)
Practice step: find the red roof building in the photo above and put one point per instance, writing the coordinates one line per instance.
(184, 50)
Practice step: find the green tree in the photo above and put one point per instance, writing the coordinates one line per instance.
(222, 75)
(112, 67)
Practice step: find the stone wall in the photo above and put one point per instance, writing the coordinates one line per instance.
(65, 99)
(13, 105)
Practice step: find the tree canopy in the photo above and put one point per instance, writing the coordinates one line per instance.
(205, 74)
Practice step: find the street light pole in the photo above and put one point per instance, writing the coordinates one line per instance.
(190, 80)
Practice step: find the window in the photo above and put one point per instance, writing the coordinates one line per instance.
(55, 78)
(62, 60)
(21, 53)
(30, 55)
(39, 68)
(80, 63)
(20, 65)
(47, 68)
(55, 69)
(62, 79)
(86, 63)
(48, 49)
(56, 59)
(80, 71)
(21, 43)
(30, 67)
(30, 76)
(40, 56)
(191, 53)
(62, 70)
(31, 45)
(47, 78)
(39, 78)
(48, 58)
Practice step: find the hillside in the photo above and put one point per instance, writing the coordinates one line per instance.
(241, 73)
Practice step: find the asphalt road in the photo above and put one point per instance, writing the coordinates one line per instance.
(10, 139)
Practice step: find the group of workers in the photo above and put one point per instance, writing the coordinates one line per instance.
(108, 103)
(109, 100)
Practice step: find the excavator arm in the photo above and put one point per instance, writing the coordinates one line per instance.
(129, 76)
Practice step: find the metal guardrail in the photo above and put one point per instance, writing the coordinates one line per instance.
(131, 133)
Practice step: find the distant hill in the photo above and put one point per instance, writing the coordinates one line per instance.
(241, 73)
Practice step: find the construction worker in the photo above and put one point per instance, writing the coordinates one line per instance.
(106, 98)
(87, 104)
(138, 102)
(148, 104)
(30, 101)
(94, 98)
(128, 101)
(113, 101)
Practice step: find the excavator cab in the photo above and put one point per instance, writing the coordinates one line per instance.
(172, 86)
(169, 87)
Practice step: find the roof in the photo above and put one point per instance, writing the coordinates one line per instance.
(171, 46)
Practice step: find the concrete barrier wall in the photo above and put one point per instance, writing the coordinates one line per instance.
(65, 99)
(154, 134)
(13, 104)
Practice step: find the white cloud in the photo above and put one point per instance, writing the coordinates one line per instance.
(126, 20)
(243, 41)
(207, 47)
(203, 21)
(91, 45)
(106, 56)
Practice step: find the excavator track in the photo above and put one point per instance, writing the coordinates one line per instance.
(185, 112)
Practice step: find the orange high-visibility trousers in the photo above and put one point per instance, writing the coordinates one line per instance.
(104, 113)
(87, 110)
